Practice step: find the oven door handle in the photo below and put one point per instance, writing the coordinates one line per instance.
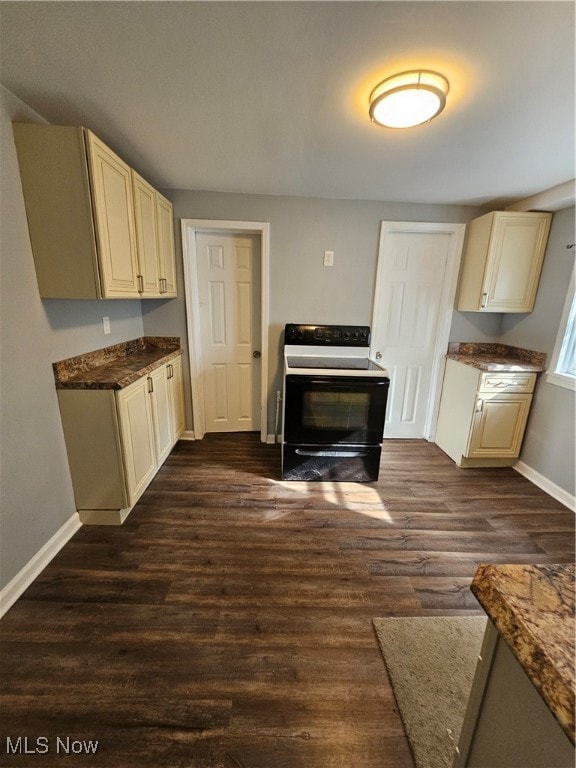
(353, 454)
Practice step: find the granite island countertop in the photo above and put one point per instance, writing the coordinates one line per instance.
(497, 357)
(532, 606)
(117, 366)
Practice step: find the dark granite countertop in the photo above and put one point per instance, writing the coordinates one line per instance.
(117, 366)
(532, 606)
(497, 357)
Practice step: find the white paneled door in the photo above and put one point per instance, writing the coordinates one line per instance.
(415, 288)
(228, 271)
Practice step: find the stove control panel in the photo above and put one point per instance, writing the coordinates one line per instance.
(327, 335)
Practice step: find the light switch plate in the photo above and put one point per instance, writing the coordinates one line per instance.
(328, 258)
(106, 325)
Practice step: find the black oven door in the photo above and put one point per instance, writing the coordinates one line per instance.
(334, 410)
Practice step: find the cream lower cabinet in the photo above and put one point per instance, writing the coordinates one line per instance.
(138, 433)
(498, 425)
(483, 416)
(167, 401)
(117, 440)
(176, 395)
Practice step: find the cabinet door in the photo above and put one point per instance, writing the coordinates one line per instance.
(55, 181)
(498, 425)
(515, 256)
(161, 411)
(177, 398)
(166, 259)
(146, 236)
(137, 433)
(111, 182)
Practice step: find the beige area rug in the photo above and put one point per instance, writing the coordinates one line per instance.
(431, 664)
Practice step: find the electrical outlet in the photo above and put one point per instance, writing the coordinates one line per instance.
(328, 258)
(106, 325)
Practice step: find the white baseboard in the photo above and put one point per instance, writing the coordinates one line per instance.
(36, 565)
(546, 485)
(188, 434)
(270, 439)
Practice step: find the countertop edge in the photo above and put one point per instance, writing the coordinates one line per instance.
(552, 686)
(117, 366)
(124, 381)
(494, 356)
(496, 366)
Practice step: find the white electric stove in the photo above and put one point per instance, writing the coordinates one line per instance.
(334, 404)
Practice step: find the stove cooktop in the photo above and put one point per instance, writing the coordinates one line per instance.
(332, 363)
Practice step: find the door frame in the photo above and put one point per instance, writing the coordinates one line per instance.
(447, 300)
(190, 228)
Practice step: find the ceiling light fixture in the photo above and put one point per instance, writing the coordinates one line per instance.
(408, 98)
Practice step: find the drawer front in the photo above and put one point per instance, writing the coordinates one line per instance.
(507, 382)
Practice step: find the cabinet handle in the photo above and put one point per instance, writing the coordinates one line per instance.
(479, 405)
(170, 371)
(484, 300)
(140, 283)
(163, 285)
(150, 385)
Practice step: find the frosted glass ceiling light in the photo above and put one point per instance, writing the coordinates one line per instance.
(408, 99)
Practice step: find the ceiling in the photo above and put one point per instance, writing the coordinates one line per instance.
(272, 97)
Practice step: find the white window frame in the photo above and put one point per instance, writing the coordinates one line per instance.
(565, 342)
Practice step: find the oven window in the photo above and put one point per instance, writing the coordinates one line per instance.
(335, 410)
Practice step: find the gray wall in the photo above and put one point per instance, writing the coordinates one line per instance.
(301, 289)
(549, 443)
(35, 488)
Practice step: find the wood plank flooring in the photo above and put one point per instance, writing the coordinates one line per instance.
(227, 623)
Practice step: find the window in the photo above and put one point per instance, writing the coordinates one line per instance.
(563, 368)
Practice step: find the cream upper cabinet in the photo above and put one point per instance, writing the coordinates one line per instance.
(93, 222)
(155, 238)
(483, 416)
(111, 183)
(502, 261)
(146, 236)
(166, 259)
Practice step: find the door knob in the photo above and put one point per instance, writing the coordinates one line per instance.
(256, 354)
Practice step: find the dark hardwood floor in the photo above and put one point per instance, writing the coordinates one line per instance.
(227, 623)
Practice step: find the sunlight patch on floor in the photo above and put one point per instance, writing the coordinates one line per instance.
(355, 497)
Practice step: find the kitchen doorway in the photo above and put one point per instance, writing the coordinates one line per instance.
(226, 286)
(414, 295)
